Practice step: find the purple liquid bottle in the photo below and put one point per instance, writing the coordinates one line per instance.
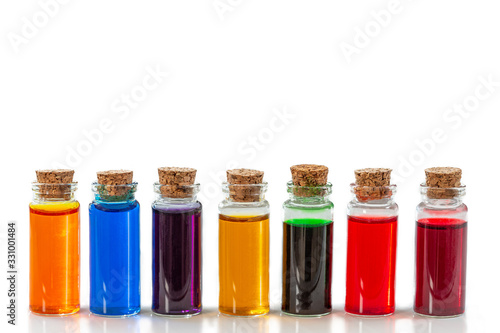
(176, 246)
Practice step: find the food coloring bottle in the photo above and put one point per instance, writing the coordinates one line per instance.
(441, 245)
(307, 243)
(54, 244)
(115, 284)
(244, 245)
(177, 218)
(372, 220)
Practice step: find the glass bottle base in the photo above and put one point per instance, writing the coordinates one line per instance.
(179, 316)
(439, 317)
(290, 314)
(369, 315)
(243, 315)
(55, 314)
(116, 315)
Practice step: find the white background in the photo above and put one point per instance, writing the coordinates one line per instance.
(231, 71)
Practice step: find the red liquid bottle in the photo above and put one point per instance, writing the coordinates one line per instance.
(371, 244)
(441, 245)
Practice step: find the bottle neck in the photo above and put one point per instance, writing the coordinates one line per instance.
(442, 198)
(176, 194)
(114, 193)
(160, 198)
(309, 195)
(111, 200)
(374, 202)
(246, 194)
(442, 203)
(376, 196)
(40, 198)
(309, 201)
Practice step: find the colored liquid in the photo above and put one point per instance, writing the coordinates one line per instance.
(371, 265)
(55, 258)
(244, 265)
(307, 266)
(441, 258)
(114, 259)
(177, 260)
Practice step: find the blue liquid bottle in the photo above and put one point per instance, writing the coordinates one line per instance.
(114, 247)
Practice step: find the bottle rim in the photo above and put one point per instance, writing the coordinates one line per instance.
(452, 192)
(63, 188)
(98, 188)
(176, 192)
(263, 186)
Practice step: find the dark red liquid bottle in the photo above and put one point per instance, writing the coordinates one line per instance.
(371, 245)
(441, 245)
(441, 248)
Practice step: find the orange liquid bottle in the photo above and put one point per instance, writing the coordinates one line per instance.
(244, 245)
(244, 265)
(54, 250)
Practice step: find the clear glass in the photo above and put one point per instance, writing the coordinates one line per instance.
(177, 224)
(114, 227)
(307, 251)
(371, 252)
(54, 249)
(441, 253)
(244, 252)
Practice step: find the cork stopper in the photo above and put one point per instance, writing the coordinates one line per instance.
(244, 176)
(55, 176)
(308, 176)
(111, 179)
(442, 182)
(176, 179)
(373, 183)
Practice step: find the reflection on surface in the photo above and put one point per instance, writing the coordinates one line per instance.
(243, 324)
(357, 324)
(433, 325)
(292, 324)
(52, 324)
(111, 325)
(204, 322)
(404, 320)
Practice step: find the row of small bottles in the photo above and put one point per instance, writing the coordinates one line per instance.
(441, 244)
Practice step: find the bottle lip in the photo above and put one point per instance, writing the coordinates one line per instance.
(309, 191)
(263, 186)
(96, 187)
(63, 188)
(445, 193)
(176, 191)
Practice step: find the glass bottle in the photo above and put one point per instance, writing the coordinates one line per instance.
(244, 251)
(177, 224)
(441, 252)
(371, 251)
(54, 249)
(114, 216)
(307, 251)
